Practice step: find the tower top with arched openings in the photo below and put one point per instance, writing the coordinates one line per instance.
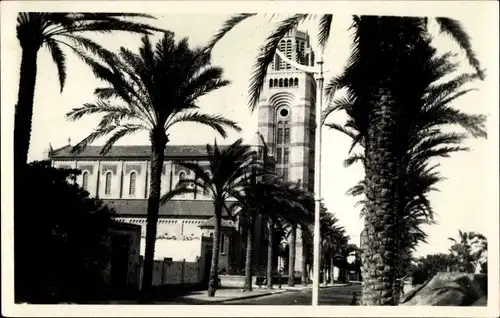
(287, 111)
(295, 46)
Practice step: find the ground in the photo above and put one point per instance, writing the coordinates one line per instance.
(327, 296)
(339, 295)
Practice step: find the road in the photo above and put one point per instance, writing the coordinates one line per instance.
(327, 296)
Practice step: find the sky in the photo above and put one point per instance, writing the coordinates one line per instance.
(468, 196)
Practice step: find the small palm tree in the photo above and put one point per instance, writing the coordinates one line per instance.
(152, 91)
(57, 31)
(468, 249)
(231, 169)
(268, 200)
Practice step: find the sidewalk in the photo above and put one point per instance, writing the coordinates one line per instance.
(225, 294)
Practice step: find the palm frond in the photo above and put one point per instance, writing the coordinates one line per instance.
(120, 132)
(176, 192)
(325, 24)
(228, 25)
(97, 133)
(59, 59)
(216, 122)
(455, 29)
(266, 55)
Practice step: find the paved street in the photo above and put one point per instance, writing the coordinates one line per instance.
(327, 296)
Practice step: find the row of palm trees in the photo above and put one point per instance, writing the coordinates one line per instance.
(153, 90)
(396, 100)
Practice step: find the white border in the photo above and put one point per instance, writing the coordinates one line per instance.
(481, 9)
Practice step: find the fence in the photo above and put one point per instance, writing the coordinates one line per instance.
(168, 272)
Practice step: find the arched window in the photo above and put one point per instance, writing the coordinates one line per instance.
(131, 188)
(296, 82)
(271, 82)
(205, 190)
(107, 186)
(85, 180)
(275, 82)
(290, 81)
(281, 82)
(286, 82)
(288, 53)
(182, 177)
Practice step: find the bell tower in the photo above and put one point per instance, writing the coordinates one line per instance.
(286, 109)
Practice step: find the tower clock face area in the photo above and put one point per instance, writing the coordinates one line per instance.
(283, 113)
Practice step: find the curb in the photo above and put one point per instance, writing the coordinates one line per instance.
(248, 297)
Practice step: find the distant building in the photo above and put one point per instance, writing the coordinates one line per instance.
(286, 121)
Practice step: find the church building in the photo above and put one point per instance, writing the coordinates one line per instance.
(286, 112)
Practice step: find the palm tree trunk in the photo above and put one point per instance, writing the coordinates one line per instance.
(304, 257)
(270, 244)
(214, 267)
(379, 257)
(331, 271)
(158, 142)
(291, 262)
(248, 260)
(24, 108)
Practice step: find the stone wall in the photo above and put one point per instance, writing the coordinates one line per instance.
(168, 272)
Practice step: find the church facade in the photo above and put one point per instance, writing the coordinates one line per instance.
(286, 112)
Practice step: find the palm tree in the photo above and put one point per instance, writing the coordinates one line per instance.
(427, 141)
(293, 218)
(152, 91)
(468, 250)
(272, 203)
(385, 51)
(230, 170)
(56, 31)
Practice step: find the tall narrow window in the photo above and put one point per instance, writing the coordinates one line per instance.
(107, 187)
(296, 82)
(182, 177)
(287, 134)
(285, 156)
(205, 189)
(222, 243)
(131, 188)
(85, 180)
(285, 174)
(279, 155)
(279, 138)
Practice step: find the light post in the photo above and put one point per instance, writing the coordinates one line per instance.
(317, 164)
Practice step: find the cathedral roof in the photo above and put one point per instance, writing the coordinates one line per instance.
(135, 152)
(210, 224)
(139, 207)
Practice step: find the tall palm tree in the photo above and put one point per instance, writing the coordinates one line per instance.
(57, 31)
(152, 91)
(427, 141)
(231, 169)
(385, 51)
